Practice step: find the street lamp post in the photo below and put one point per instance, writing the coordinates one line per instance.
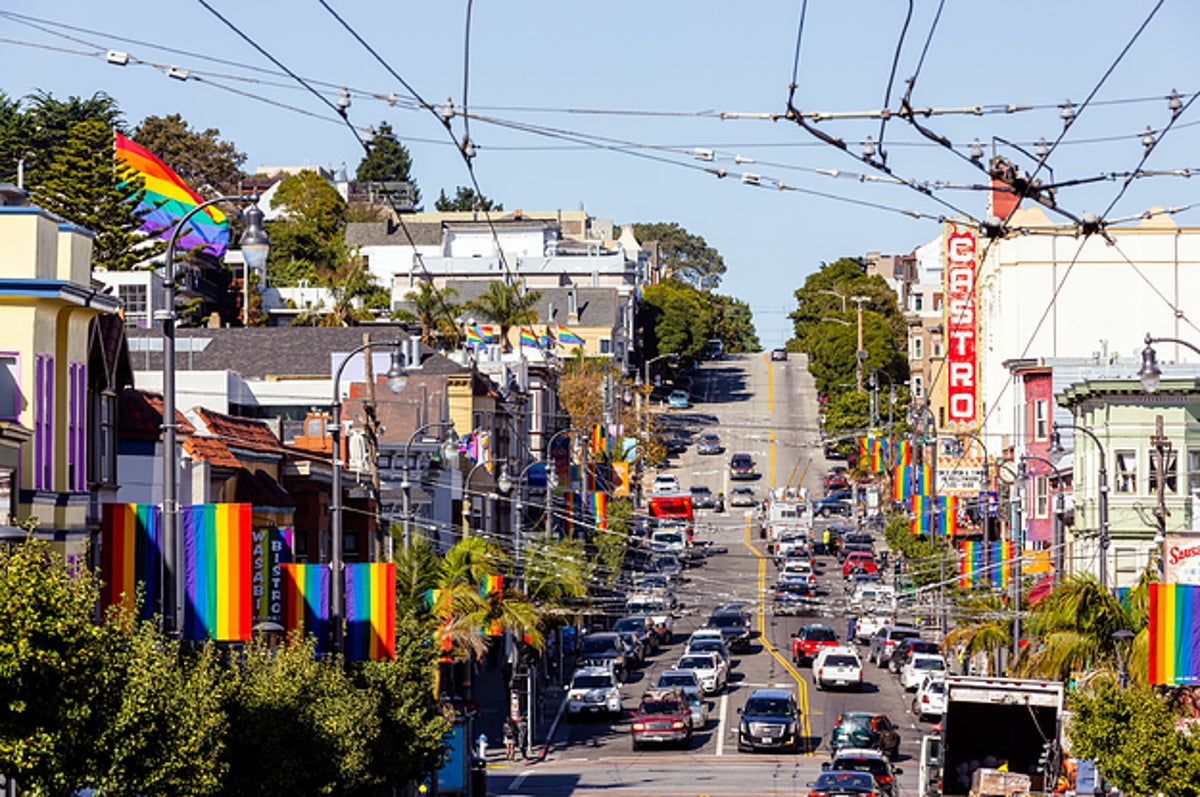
(1057, 540)
(1018, 534)
(1121, 641)
(466, 510)
(551, 477)
(860, 355)
(255, 247)
(506, 485)
(397, 378)
(652, 360)
(449, 451)
(1150, 374)
(1056, 448)
(924, 410)
(987, 479)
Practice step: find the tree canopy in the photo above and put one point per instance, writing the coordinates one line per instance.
(465, 198)
(310, 240)
(685, 256)
(388, 161)
(210, 165)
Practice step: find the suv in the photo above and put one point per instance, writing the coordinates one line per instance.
(593, 690)
(920, 665)
(870, 761)
(808, 641)
(664, 483)
(833, 504)
(771, 720)
(603, 650)
(735, 628)
(864, 729)
(886, 638)
(838, 666)
(930, 700)
(662, 717)
(741, 466)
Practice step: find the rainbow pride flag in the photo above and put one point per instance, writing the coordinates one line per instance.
(970, 563)
(1000, 563)
(371, 611)
(1174, 634)
(948, 515)
(879, 447)
(306, 596)
(568, 338)
(902, 452)
(924, 480)
(167, 199)
(131, 553)
(902, 483)
(491, 585)
(529, 339)
(600, 509)
(921, 515)
(217, 577)
(547, 340)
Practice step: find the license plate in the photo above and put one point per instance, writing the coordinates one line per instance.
(767, 740)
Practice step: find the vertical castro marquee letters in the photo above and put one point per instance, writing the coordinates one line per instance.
(962, 328)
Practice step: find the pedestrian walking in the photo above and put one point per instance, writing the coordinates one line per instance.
(523, 737)
(510, 738)
(851, 628)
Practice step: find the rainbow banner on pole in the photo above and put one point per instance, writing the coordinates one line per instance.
(902, 452)
(167, 199)
(921, 520)
(529, 339)
(948, 515)
(600, 509)
(306, 596)
(216, 565)
(131, 553)
(371, 611)
(970, 563)
(902, 483)
(1000, 562)
(1174, 634)
(924, 480)
(879, 447)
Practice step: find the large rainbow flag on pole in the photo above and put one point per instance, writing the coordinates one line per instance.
(131, 552)
(371, 611)
(902, 483)
(568, 338)
(306, 590)
(1000, 562)
(1174, 634)
(216, 564)
(921, 519)
(948, 516)
(168, 199)
(970, 563)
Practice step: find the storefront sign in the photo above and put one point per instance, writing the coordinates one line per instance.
(960, 476)
(962, 327)
(270, 547)
(1181, 559)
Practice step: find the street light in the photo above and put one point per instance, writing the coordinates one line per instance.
(255, 247)
(987, 475)
(397, 378)
(1056, 449)
(646, 366)
(449, 452)
(1150, 374)
(1057, 540)
(506, 485)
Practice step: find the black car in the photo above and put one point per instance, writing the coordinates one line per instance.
(905, 648)
(770, 721)
(604, 650)
(735, 630)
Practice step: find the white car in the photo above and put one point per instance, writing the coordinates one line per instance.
(918, 667)
(801, 567)
(593, 690)
(709, 668)
(930, 700)
(838, 666)
(707, 632)
(868, 625)
(664, 483)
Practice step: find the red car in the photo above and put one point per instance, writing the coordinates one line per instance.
(859, 562)
(808, 641)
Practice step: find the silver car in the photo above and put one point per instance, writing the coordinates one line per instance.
(710, 443)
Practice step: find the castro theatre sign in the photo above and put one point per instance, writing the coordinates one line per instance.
(962, 327)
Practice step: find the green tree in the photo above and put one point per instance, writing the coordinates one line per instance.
(48, 122)
(733, 325)
(685, 256)
(507, 305)
(434, 309)
(465, 199)
(13, 146)
(80, 184)
(388, 161)
(557, 571)
(310, 241)
(675, 318)
(612, 543)
(210, 165)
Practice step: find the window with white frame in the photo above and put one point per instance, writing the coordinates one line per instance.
(918, 387)
(1193, 469)
(605, 346)
(1041, 420)
(1041, 496)
(918, 302)
(1171, 482)
(935, 347)
(1125, 471)
(917, 347)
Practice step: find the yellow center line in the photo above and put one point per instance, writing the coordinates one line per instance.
(801, 684)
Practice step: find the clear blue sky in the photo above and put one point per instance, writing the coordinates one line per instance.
(529, 62)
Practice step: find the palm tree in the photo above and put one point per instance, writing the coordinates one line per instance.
(556, 571)
(508, 306)
(435, 310)
(987, 630)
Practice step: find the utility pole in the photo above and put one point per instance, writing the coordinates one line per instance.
(859, 354)
(1162, 453)
(1018, 539)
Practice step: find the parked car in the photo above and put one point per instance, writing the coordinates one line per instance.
(837, 503)
(665, 483)
(918, 667)
(741, 466)
(838, 666)
(662, 717)
(710, 443)
(872, 762)
(930, 700)
(679, 400)
(710, 669)
(843, 784)
(886, 638)
(865, 730)
(702, 497)
(808, 641)
(741, 495)
(906, 648)
(593, 690)
(769, 720)
(779, 354)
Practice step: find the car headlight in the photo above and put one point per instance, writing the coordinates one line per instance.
(575, 696)
(639, 726)
(677, 724)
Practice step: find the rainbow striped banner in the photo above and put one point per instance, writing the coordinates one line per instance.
(901, 452)
(902, 483)
(921, 515)
(306, 597)
(1174, 634)
(217, 577)
(131, 553)
(568, 338)
(491, 585)
(529, 339)
(1000, 562)
(948, 515)
(600, 509)
(879, 447)
(970, 563)
(167, 199)
(371, 611)
(547, 340)
(599, 439)
(924, 484)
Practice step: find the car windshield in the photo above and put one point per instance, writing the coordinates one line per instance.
(701, 491)
(712, 645)
(630, 624)
(594, 645)
(591, 682)
(820, 635)
(696, 663)
(743, 491)
(841, 661)
(930, 663)
(936, 686)
(677, 679)
(836, 781)
(923, 646)
(726, 621)
(740, 459)
(853, 722)
(877, 767)
(667, 537)
(904, 633)
(660, 707)
(768, 707)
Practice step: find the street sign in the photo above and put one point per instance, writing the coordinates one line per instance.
(960, 476)
(991, 503)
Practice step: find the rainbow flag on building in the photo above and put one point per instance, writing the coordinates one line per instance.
(902, 483)
(131, 554)
(217, 577)
(970, 563)
(167, 199)
(568, 338)
(1174, 634)
(370, 611)
(306, 597)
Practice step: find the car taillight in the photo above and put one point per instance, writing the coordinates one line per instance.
(884, 778)
(925, 699)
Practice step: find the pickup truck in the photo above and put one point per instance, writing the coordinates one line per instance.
(808, 641)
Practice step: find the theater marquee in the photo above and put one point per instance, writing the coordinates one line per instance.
(962, 327)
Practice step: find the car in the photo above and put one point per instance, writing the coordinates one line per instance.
(843, 784)
(604, 649)
(779, 354)
(662, 717)
(836, 503)
(664, 483)
(717, 646)
(869, 624)
(836, 482)
(872, 762)
(906, 648)
(930, 700)
(635, 649)
(918, 667)
(710, 669)
(640, 626)
(675, 442)
(678, 400)
(869, 594)
(770, 720)
(741, 467)
(698, 707)
(702, 497)
(679, 680)
(710, 443)
(865, 730)
(734, 627)
(808, 641)
(886, 638)
(838, 666)
(794, 599)
(859, 562)
(593, 690)
(741, 495)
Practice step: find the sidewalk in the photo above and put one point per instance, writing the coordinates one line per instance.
(492, 696)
